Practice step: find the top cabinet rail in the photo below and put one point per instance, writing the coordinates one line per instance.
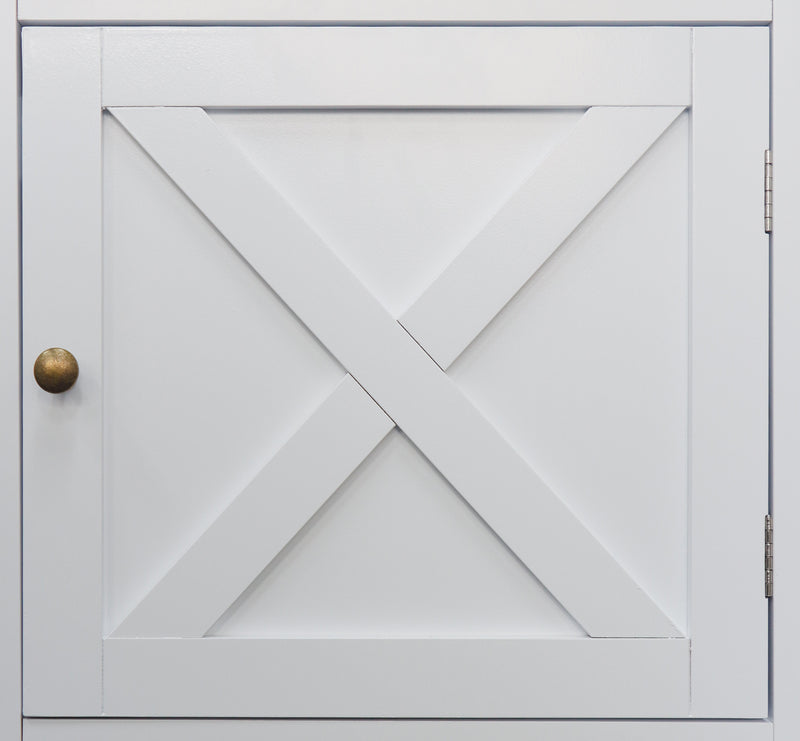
(367, 12)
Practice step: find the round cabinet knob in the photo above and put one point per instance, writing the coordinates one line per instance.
(56, 370)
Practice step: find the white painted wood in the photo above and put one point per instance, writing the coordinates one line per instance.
(560, 193)
(397, 387)
(397, 193)
(37, 729)
(408, 67)
(729, 367)
(10, 544)
(593, 393)
(429, 408)
(263, 518)
(178, 447)
(458, 678)
(169, 473)
(396, 11)
(62, 436)
(433, 568)
(785, 649)
(396, 553)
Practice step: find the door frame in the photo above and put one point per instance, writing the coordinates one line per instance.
(785, 480)
(10, 417)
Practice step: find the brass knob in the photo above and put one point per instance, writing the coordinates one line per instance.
(56, 370)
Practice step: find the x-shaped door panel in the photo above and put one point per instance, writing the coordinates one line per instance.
(396, 372)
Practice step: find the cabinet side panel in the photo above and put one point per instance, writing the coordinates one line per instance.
(786, 370)
(62, 469)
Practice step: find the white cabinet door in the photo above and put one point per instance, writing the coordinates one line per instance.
(423, 372)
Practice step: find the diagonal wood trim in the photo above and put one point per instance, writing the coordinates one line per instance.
(263, 518)
(558, 196)
(393, 369)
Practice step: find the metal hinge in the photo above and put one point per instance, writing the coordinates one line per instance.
(768, 191)
(768, 556)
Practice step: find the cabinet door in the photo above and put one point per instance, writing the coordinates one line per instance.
(423, 372)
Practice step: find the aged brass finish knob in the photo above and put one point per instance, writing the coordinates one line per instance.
(56, 370)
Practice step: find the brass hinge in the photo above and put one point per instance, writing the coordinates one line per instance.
(768, 556)
(768, 191)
